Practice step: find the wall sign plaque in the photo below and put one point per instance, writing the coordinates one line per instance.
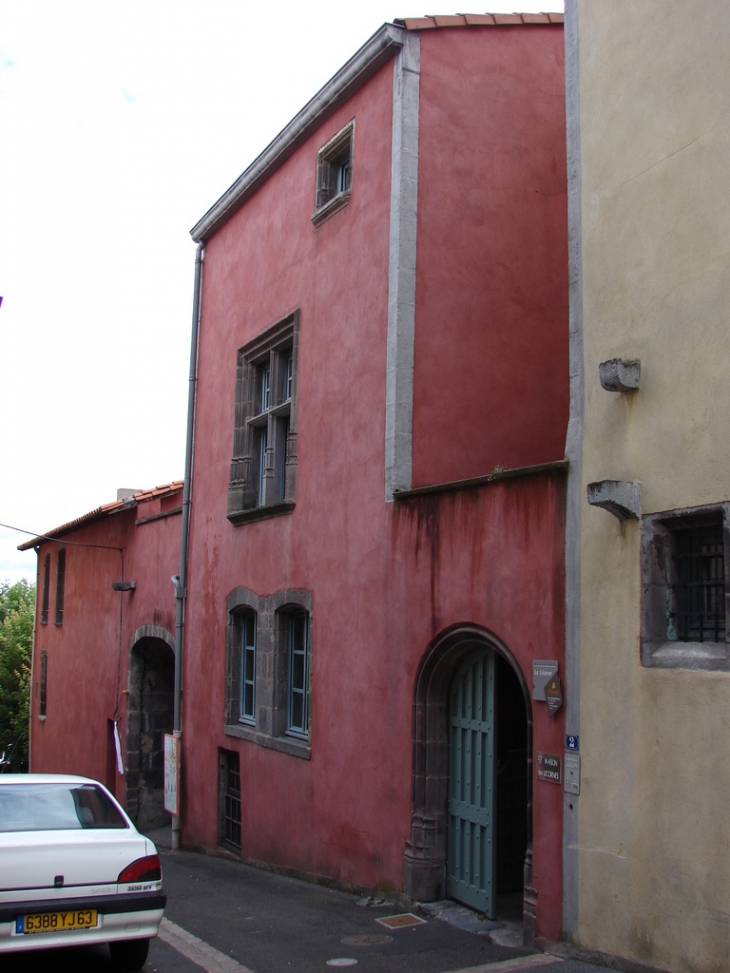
(553, 694)
(542, 671)
(549, 767)
(572, 773)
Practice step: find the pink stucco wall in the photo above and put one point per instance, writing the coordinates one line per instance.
(87, 660)
(491, 356)
(385, 578)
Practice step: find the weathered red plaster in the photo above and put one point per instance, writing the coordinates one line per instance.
(490, 388)
(88, 654)
(491, 357)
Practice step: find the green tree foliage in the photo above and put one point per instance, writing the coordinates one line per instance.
(16, 641)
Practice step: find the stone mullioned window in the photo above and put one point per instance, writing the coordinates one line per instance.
(281, 716)
(263, 475)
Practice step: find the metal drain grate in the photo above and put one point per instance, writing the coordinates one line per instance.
(401, 921)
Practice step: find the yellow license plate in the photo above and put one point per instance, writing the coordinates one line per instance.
(56, 921)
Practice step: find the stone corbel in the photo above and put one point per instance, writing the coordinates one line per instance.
(619, 375)
(622, 498)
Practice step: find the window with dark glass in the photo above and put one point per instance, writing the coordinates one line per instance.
(298, 675)
(60, 584)
(46, 588)
(248, 669)
(268, 669)
(263, 469)
(43, 684)
(334, 174)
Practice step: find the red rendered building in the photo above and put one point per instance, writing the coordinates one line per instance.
(104, 646)
(377, 532)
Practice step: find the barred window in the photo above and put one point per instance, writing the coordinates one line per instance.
(229, 771)
(685, 589)
(699, 589)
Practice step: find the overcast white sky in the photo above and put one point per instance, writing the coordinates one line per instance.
(121, 122)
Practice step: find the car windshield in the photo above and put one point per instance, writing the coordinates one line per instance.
(56, 807)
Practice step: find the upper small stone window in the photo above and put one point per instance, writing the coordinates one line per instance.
(334, 174)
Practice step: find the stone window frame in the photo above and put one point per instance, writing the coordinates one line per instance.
(335, 161)
(272, 668)
(254, 494)
(658, 649)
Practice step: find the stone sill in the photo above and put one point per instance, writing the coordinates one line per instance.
(261, 513)
(295, 748)
(334, 206)
(702, 656)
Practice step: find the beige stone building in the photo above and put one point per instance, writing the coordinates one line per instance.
(647, 846)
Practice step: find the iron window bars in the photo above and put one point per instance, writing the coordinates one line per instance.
(232, 798)
(699, 589)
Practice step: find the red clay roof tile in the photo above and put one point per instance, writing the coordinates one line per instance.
(419, 23)
(479, 20)
(450, 21)
(501, 19)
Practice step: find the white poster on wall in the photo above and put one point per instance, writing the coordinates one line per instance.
(172, 773)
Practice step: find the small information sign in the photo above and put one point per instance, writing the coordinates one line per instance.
(542, 671)
(572, 773)
(549, 767)
(553, 694)
(571, 742)
(172, 773)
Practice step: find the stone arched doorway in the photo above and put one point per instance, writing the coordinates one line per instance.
(149, 718)
(426, 859)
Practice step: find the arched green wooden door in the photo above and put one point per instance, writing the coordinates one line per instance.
(471, 857)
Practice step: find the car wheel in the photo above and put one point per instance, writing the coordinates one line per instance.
(129, 954)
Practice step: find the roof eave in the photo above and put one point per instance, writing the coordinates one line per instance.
(106, 510)
(382, 46)
(83, 521)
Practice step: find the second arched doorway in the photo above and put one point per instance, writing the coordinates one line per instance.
(149, 718)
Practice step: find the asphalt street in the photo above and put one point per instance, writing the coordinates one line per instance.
(225, 917)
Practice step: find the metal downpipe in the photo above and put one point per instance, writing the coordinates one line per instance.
(180, 580)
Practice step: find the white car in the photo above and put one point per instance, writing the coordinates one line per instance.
(74, 869)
